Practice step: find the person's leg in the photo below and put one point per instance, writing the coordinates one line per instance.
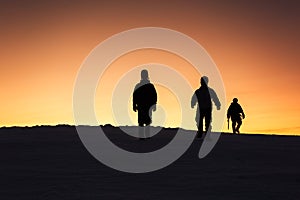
(207, 120)
(144, 116)
(141, 119)
(233, 125)
(239, 123)
(148, 121)
(200, 124)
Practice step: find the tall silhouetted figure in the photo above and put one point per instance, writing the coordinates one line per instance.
(144, 101)
(204, 96)
(236, 113)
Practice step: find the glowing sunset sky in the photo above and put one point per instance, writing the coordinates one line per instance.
(255, 45)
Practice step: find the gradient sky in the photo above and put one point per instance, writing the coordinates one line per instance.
(255, 45)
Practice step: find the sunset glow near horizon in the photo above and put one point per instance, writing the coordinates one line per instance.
(254, 44)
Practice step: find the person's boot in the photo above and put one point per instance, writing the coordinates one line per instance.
(208, 129)
(238, 128)
(199, 134)
(233, 130)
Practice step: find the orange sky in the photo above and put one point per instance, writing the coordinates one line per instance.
(255, 46)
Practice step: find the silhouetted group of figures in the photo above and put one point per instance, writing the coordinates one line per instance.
(145, 100)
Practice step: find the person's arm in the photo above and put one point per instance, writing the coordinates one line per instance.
(134, 98)
(241, 111)
(215, 98)
(229, 112)
(194, 100)
(154, 93)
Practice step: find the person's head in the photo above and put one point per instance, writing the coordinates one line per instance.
(235, 100)
(204, 80)
(144, 74)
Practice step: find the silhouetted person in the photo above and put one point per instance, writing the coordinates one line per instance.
(204, 96)
(236, 113)
(144, 101)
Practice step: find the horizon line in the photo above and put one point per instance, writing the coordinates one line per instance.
(106, 125)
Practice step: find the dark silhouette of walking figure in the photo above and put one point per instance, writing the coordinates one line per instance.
(204, 96)
(144, 101)
(236, 113)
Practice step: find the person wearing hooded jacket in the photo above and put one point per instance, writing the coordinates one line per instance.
(236, 113)
(144, 102)
(204, 97)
